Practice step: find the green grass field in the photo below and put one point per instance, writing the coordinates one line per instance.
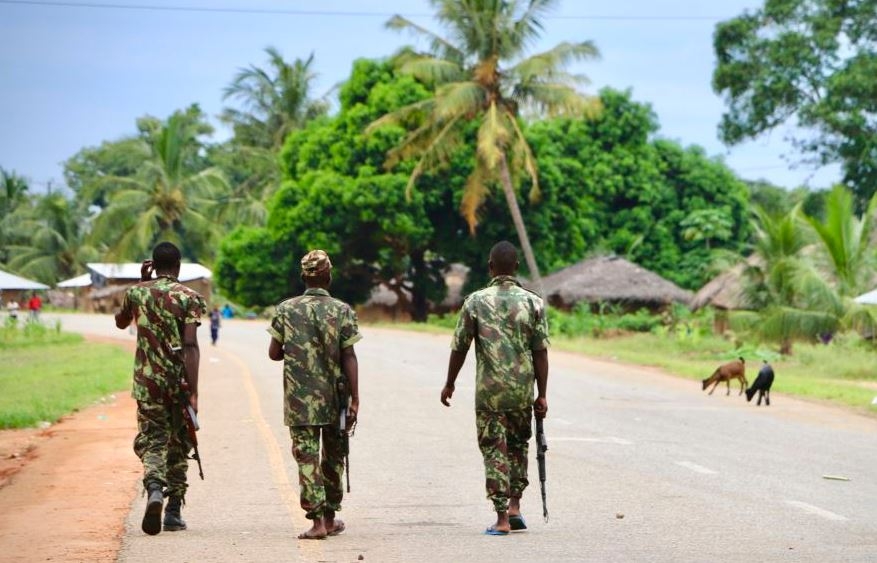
(46, 374)
(843, 373)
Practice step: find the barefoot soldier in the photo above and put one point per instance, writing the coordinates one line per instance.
(314, 335)
(167, 315)
(508, 325)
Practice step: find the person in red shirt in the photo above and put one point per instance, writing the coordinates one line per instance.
(35, 304)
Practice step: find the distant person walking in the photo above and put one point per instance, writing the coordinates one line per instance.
(12, 309)
(167, 315)
(314, 335)
(35, 305)
(215, 317)
(510, 331)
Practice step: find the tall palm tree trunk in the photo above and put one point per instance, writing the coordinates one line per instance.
(518, 220)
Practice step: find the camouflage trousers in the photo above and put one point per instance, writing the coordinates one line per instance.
(503, 438)
(162, 444)
(319, 480)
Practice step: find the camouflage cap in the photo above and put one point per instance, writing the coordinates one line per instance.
(315, 263)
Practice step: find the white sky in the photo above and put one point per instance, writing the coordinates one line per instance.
(72, 76)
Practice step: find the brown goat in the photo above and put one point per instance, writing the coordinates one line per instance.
(726, 372)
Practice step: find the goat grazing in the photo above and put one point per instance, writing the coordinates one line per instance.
(726, 372)
(762, 385)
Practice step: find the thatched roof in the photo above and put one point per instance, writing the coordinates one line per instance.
(611, 279)
(725, 291)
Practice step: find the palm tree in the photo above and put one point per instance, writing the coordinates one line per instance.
(793, 296)
(56, 248)
(845, 241)
(13, 197)
(167, 199)
(480, 75)
(276, 101)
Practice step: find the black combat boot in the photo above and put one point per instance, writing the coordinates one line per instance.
(173, 522)
(152, 518)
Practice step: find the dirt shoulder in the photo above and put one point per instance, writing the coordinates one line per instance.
(66, 490)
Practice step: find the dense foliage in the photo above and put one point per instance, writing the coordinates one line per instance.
(809, 63)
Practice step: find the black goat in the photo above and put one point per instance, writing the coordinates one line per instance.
(762, 385)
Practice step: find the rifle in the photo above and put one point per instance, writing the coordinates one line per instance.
(191, 419)
(343, 401)
(541, 448)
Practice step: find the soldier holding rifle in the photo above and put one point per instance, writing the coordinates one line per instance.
(313, 334)
(510, 331)
(167, 315)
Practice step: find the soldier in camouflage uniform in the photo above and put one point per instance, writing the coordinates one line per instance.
(510, 331)
(167, 315)
(314, 335)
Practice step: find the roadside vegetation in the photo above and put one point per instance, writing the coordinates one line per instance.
(47, 373)
(840, 372)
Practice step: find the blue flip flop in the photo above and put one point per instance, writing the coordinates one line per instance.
(491, 531)
(517, 523)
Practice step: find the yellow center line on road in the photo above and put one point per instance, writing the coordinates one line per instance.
(279, 474)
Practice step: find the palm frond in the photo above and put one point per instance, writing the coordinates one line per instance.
(549, 64)
(554, 100)
(493, 137)
(402, 115)
(437, 44)
(458, 98)
(528, 27)
(430, 70)
(474, 193)
(435, 149)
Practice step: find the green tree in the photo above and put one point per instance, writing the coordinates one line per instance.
(793, 300)
(845, 241)
(275, 101)
(336, 196)
(609, 186)
(56, 246)
(170, 197)
(810, 63)
(707, 225)
(87, 171)
(480, 76)
(13, 199)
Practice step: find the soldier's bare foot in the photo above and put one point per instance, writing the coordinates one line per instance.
(335, 527)
(514, 507)
(502, 525)
(316, 532)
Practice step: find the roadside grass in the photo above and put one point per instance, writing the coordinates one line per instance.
(46, 373)
(841, 373)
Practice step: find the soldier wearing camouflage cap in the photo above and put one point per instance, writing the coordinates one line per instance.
(167, 315)
(314, 335)
(510, 331)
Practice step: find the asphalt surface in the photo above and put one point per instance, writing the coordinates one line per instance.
(642, 466)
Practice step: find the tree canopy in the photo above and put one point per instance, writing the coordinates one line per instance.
(810, 64)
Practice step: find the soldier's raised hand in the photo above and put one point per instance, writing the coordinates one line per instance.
(146, 270)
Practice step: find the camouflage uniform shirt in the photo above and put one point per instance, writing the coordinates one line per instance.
(313, 329)
(508, 323)
(160, 308)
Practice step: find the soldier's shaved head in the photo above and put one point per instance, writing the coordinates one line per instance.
(503, 259)
(166, 257)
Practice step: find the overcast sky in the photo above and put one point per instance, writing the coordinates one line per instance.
(74, 76)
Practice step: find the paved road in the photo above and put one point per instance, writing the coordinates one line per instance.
(696, 477)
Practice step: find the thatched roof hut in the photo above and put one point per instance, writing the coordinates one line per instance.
(611, 279)
(725, 291)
